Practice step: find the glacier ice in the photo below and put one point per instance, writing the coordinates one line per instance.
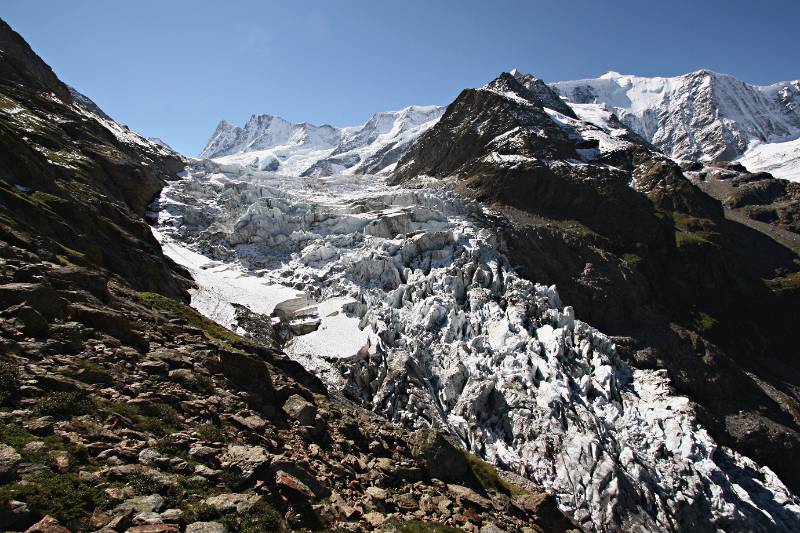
(403, 302)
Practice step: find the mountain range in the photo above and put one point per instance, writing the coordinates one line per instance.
(703, 116)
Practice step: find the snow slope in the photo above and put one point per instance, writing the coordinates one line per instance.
(272, 143)
(408, 306)
(702, 115)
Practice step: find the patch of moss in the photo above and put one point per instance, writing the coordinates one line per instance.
(703, 322)
(489, 479)
(90, 372)
(261, 517)
(691, 230)
(631, 259)
(418, 526)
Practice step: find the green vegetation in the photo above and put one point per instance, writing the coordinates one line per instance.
(261, 517)
(703, 322)
(417, 526)
(211, 330)
(168, 445)
(63, 405)
(631, 259)
(691, 230)
(487, 477)
(62, 496)
(211, 433)
(9, 382)
(786, 283)
(18, 437)
(90, 372)
(158, 418)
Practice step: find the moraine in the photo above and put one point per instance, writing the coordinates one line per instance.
(400, 298)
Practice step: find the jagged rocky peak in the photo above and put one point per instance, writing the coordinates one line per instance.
(544, 93)
(702, 115)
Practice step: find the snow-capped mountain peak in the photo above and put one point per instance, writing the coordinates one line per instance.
(272, 143)
(702, 115)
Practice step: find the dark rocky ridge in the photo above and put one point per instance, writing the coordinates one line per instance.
(121, 409)
(70, 190)
(641, 253)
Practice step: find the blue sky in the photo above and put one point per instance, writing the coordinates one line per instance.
(174, 68)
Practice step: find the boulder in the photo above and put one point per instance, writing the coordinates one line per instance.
(248, 459)
(48, 524)
(247, 373)
(440, 457)
(295, 487)
(9, 459)
(232, 501)
(298, 408)
(206, 527)
(41, 297)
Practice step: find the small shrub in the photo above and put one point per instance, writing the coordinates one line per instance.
(169, 446)
(144, 485)
(210, 433)
(9, 382)
(62, 405)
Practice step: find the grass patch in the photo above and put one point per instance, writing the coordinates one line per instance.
(158, 418)
(703, 322)
(63, 405)
(488, 478)
(631, 259)
(211, 329)
(90, 372)
(787, 283)
(691, 230)
(17, 437)
(418, 526)
(62, 496)
(261, 517)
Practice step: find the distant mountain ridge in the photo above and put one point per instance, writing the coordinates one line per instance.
(703, 116)
(272, 143)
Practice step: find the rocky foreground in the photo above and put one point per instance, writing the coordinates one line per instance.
(127, 411)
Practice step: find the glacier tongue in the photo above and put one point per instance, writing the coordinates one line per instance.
(407, 305)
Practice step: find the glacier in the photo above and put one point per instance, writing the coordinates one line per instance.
(399, 298)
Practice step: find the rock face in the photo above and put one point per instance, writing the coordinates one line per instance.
(702, 115)
(73, 189)
(271, 143)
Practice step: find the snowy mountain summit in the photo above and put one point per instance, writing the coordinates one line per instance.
(271, 143)
(704, 115)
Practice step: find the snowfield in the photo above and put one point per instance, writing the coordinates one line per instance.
(399, 298)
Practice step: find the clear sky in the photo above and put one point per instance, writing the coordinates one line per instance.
(174, 68)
